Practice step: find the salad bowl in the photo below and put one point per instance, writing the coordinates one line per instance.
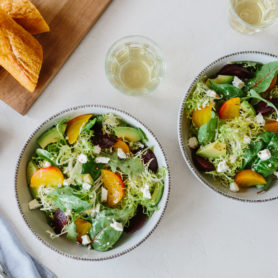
(250, 194)
(36, 220)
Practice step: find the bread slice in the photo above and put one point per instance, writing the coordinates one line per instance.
(20, 53)
(25, 14)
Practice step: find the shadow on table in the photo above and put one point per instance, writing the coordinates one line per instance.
(4, 138)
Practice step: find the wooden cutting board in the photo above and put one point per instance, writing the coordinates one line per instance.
(69, 21)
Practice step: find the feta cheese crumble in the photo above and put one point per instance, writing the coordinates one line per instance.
(67, 182)
(97, 149)
(34, 204)
(233, 158)
(222, 167)
(264, 154)
(86, 186)
(234, 187)
(117, 226)
(260, 119)
(238, 83)
(46, 164)
(193, 142)
(121, 153)
(246, 139)
(211, 93)
(82, 158)
(146, 192)
(102, 159)
(104, 194)
(85, 240)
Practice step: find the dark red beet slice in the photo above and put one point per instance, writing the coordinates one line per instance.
(202, 164)
(60, 220)
(239, 71)
(150, 156)
(102, 139)
(264, 109)
(136, 222)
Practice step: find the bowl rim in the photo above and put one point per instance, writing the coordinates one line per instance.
(74, 108)
(180, 116)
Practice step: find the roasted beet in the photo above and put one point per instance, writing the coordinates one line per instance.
(264, 109)
(148, 156)
(137, 221)
(202, 164)
(239, 71)
(102, 139)
(60, 220)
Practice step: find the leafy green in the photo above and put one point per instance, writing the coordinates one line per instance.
(104, 236)
(67, 198)
(44, 154)
(92, 168)
(129, 166)
(269, 183)
(206, 132)
(144, 137)
(226, 90)
(266, 140)
(253, 94)
(61, 129)
(89, 125)
(253, 66)
(71, 232)
(263, 77)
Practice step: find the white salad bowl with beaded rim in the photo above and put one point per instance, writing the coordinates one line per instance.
(251, 194)
(36, 220)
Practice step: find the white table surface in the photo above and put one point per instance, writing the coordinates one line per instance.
(202, 234)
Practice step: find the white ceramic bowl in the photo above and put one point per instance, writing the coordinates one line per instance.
(36, 220)
(249, 195)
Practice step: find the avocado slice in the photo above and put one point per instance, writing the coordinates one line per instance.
(157, 193)
(31, 169)
(248, 108)
(212, 150)
(129, 133)
(50, 136)
(220, 79)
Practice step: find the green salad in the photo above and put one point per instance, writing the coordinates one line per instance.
(233, 125)
(95, 178)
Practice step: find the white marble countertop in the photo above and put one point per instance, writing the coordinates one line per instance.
(202, 234)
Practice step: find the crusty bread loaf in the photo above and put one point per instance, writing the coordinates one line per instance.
(25, 14)
(20, 53)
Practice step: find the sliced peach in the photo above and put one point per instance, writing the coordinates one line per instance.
(230, 109)
(121, 145)
(201, 117)
(271, 126)
(249, 178)
(273, 83)
(114, 185)
(82, 228)
(49, 176)
(75, 125)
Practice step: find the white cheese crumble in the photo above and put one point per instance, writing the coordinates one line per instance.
(82, 158)
(85, 240)
(238, 83)
(121, 153)
(260, 119)
(68, 212)
(211, 93)
(205, 103)
(234, 187)
(146, 192)
(233, 158)
(222, 167)
(193, 143)
(264, 154)
(117, 226)
(102, 159)
(67, 182)
(95, 210)
(97, 149)
(86, 186)
(46, 164)
(246, 139)
(104, 194)
(34, 204)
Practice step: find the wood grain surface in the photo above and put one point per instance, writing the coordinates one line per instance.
(69, 21)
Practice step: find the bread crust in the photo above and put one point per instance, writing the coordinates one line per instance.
(20, 53)
(25, 14)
